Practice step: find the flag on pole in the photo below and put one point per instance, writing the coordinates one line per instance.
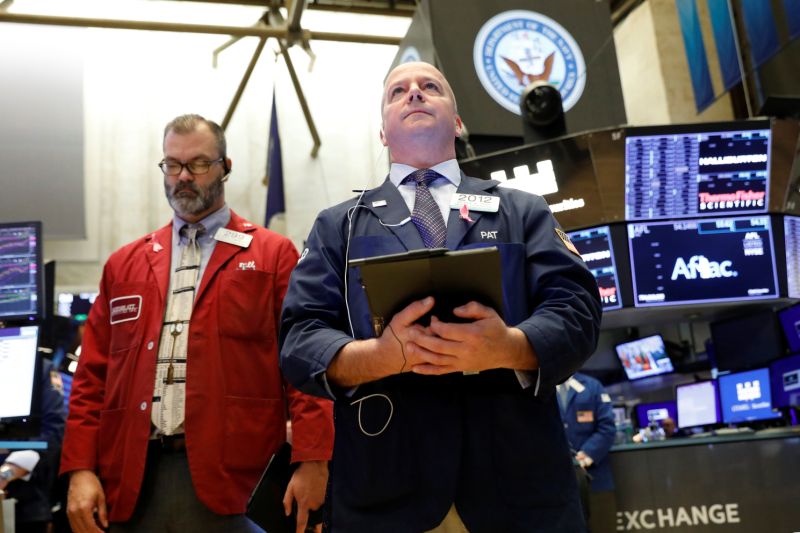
(276, 204)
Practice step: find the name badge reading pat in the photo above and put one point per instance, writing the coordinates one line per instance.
(475, 202)
(237, 238)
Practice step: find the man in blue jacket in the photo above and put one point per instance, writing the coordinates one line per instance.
(589, 424)
(451, 426)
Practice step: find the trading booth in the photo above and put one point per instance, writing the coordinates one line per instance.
(696, 224)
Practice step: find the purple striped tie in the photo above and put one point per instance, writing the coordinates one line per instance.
(427, 216)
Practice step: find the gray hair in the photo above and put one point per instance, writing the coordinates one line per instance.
(188, 123)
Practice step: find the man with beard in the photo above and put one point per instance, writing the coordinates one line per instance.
(178, 402)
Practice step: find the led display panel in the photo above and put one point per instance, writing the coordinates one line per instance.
(747, 341)
(594, 245)
(682, 171)
(790, 322)
(791, 235)
(21, 281)
(18, 351)
(698, 404)
(785, 375)
(655, 411)
(746, 397)
(704, 260)
(644, 357)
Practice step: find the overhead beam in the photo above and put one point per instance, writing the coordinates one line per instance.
(243, 83)
(236, 31)
(387, 9)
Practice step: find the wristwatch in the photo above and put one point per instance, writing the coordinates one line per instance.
(6, 473)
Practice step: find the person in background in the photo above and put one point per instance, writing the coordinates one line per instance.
(178, 401)
(451, 426)
(28, 475)
(588, 417)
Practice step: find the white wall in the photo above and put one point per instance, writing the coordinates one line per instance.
(136, 81)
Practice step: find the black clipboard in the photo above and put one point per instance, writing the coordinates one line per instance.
(265, 506)
(453, 278)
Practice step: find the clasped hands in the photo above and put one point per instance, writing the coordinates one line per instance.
(483, 343)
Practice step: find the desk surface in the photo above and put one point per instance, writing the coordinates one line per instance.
(764, 434)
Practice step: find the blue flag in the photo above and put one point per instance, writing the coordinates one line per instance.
(275, 200)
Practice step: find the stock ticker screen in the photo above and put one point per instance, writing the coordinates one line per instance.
(682, 175)
(705, 260)
(19, 270)
(594, 245)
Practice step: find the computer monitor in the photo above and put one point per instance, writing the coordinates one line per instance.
(690, 170)
(785, 375)
(791, 239)
(75, 305)
(21, 279)
(697, 404)
(746, 397)
(702, 260)
(644, 357)
(655, 411)
(594, 245)
(790, 322)
(748, 341)
(19, 384)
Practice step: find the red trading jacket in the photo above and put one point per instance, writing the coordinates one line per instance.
(236, 399)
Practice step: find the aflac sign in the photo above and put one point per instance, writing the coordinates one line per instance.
(516, 48)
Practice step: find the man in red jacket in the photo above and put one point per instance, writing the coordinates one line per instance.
(178, 402)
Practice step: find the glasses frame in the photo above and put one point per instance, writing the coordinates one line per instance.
(186, 166)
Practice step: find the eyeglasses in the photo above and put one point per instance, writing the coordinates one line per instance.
(196, 166)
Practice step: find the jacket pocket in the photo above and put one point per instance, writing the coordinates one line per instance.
(254, 428)
(246, 304)
(126, 312)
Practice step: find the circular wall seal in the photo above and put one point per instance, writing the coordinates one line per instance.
(410, 54)
(515, 48)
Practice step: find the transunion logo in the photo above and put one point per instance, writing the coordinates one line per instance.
(700, 266)
(515, 48)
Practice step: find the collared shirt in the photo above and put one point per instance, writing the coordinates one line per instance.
(442, 189)
(211, 223)
(25, 459)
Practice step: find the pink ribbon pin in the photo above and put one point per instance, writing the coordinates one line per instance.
(464, 213)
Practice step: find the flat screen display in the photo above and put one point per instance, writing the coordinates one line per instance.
(18, 352)
(791, 235)
(785, 375)
(746, 397)
(656, 411)
(704, 260)
(594, 245)
(747, 341)
(698, 404)
(21, 280)
(790, 322)
(680, 172)
(644, 357)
